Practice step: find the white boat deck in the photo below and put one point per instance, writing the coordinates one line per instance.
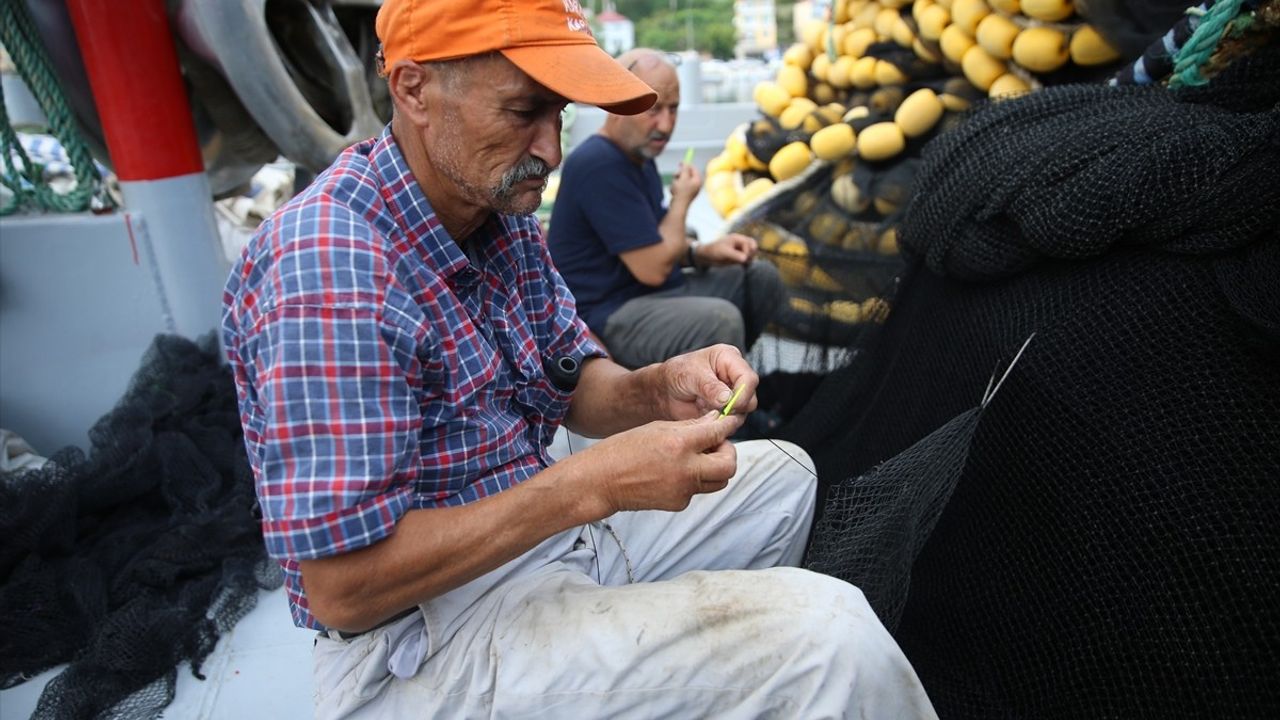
(260, 669)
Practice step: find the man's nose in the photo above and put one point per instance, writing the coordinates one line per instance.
(666, 120)
(546, 142)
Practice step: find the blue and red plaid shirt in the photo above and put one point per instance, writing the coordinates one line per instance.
(379, 369)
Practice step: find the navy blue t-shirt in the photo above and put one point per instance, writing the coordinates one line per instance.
(606, 205)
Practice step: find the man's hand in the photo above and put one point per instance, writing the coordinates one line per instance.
(662, 465)
(685, 184)
(611, 399)
(732, 249)
(704, 380)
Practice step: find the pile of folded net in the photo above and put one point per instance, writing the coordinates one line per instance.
(123, 563)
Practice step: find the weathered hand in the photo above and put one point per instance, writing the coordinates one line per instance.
(662, 465)
(705, 379)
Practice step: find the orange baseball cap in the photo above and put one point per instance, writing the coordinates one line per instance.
(549, 40)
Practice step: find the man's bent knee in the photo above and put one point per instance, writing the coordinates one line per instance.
(723, 324)
(851, 665)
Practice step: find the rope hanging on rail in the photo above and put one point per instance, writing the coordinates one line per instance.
(25, 179)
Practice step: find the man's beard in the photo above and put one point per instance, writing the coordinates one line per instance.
(649, 153)
(504, 196)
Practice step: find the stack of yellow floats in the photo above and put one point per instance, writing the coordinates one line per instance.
(820, 177)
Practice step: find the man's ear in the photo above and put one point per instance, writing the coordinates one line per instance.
(410, 83)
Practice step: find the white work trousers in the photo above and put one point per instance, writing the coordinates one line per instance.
(707, 626)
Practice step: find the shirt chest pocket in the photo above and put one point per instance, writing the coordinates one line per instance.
(539, 400)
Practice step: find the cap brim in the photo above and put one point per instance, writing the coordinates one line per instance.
(584, 73)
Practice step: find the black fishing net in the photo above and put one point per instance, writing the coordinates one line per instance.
(134, 558)
(1103, 539)
(873, 526)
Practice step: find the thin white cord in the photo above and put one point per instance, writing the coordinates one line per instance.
(596, 550)
(631, 577)
(626, 559)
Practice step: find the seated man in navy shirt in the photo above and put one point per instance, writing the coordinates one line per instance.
(623, 254)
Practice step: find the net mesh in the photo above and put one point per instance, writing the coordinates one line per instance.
(1105, 541)
(138, 556)
(874, 525)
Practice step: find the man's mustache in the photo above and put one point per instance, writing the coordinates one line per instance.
(526, 169)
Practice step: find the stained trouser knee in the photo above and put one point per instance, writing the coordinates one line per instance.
(852, 665)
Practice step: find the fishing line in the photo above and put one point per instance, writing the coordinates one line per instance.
(748, 314)
(793, 457)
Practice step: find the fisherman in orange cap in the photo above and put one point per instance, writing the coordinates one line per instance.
(404, 351)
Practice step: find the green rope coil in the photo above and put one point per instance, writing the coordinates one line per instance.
(1196, 51)
(19, 37)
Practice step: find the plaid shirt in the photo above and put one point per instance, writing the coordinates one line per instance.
(378, 369)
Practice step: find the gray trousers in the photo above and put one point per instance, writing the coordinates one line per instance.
(731, 304)
(691, 614)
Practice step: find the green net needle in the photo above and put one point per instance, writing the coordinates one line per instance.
(728, 408)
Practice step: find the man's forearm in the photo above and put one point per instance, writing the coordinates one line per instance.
(433, 551)
(610, 398)
(674, 232)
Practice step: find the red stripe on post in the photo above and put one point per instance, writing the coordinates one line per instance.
(133, 68)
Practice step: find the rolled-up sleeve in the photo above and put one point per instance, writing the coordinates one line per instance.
(336, 372)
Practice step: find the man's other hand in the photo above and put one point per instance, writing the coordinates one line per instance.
(686, 184)
(732, 249)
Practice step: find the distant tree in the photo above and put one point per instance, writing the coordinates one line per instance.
(702, 25)
(786, 12)
(637, 10)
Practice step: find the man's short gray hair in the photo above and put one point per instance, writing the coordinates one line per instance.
(448, 70)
